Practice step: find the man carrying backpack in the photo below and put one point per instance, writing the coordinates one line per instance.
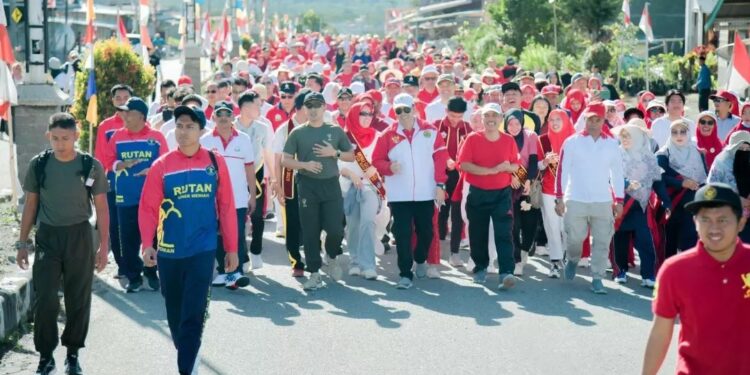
(59, 185)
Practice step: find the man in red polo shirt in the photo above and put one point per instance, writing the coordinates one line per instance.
(280, 113)
(708, 288)
(488, 160)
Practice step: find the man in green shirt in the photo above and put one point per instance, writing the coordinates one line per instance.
(314, 150)
(59, 185)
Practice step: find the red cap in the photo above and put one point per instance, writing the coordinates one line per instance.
(595, 109)
(376, 95)
(551, 89)
(469, 94)
(724, 94)
(184, 80)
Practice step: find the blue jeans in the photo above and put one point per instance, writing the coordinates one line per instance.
(360, 230)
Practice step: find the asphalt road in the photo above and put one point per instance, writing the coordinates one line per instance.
(445, 326)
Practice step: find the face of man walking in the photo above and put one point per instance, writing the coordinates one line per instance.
(491, 120)
(594, 124)
(717, 228)
(63, 141)
(187, 132)
(314, 111)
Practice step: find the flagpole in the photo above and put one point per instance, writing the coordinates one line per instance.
(731, 64)
(12, 151)
(647, 68)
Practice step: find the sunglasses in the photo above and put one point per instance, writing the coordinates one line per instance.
(313, 105)
(430, 78)
(656, 110)
(720, 100)
(366, 114)
(223, 114)
(345, 98)
(707, 122)
(401, 110)
(212, 91)
(287, 96)
(679, 132)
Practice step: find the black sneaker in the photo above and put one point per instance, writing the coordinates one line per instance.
(153, 282)
(134, 286)
(72, 367)
(46, 366)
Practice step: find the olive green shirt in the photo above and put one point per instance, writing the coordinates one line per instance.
(64, 200)
(302, 140)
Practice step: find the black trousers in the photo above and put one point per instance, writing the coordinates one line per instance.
(405, 216)
(321, 208)
(63, 253)
(293, 232)
(256, 217)
(703, 96)
(481, 206)
(449, 211)
(114, 232)
(130, 244)
(525, 228)
(241, 245)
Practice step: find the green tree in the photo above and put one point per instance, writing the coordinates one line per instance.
(590, 16)
(310, 21)
(114, 62)
(524, 22)
(598, 55)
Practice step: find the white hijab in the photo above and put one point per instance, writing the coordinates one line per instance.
(687, 160)
(639, 162)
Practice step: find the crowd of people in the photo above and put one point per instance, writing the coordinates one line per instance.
(363, 141)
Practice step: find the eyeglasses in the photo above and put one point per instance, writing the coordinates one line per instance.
(366, 114)
(223, 114)
(401, 110)
(707, 122)
(212, 91)
(611, 110)
(679, 132)
(287, 96)
(313, 105)
(657, 109)
(430, 78)
(345, 98)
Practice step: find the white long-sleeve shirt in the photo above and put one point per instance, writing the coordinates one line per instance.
(590, 170)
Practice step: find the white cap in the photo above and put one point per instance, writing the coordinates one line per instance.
(429, 69)
(403, 100)
(492, 107)
(357, 87)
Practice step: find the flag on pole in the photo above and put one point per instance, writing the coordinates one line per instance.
(226, 46)
(206, 35)
(122, 33)
(6, 49)
(626, 11)
(645, 24)
(92, 112)
(739, 75)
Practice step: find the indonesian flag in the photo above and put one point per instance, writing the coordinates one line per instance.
(145, 12)
(143, 22)
(206, 35)
(226, 46)
(6, 49)
(645, 24)
(739, 77)
(122, 33)
(626, 11)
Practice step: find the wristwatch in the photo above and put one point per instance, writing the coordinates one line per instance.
(442, 186)
(558, 200)
(24, 245)
(338, 154)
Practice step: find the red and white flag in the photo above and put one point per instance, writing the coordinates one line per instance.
(626, 11)
(122, 33)
(645, 24)
(739, 77)
(8, 94)
(225, 33)
(206, 35)
(6, 49)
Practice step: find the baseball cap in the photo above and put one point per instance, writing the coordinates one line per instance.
(510, 61)
(184, 80)
(633, 111)
(723, 94)
(411, 80)
(492, 107)
(551, 90)
(446, 77)
(135, 104)
(314, 96)
(223, 106)
(344, 91)
(656, 103)
(457, 104)
(540, 77)
(429, 69)
(196, 114)
(594, 109)
(288, 87)
(714, 195)
(403, 100)
(510, 86)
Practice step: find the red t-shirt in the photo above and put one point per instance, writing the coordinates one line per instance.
(712, 300)
(480, 151)
(426, 96)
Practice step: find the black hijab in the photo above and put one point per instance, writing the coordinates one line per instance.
(517, 114)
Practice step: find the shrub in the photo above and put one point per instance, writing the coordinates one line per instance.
(598, 55)
(114, 62)
(539, 58)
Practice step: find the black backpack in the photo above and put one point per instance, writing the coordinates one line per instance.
(87, 162)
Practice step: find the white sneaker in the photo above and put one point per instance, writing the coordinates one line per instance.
(456, 261)
(518, 271)
(314, 282)
(355, 271)
(247, 267)
(256, 260)
(433, 273)
(493, 269)
(220, 280)
(541, 251)
(464, 244)
(470, 264)
(648, 283)
(325, 259)
(584, 263)
(335, 270)
(370, 274)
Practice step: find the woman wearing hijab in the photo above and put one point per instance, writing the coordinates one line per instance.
(525, 217)
(642, 177)
(644, 97)
(684, 172)
(744, 124)
(542, 108)
(732, 167)
(360, 185)
(575, 103)
(708, 136)
(559, 129)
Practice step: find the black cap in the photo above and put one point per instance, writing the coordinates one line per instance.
(714, 195)
(313, 96)
(457, 104)
(196, 114)
(299, 100)
(288, 87)
(223, 106)
(510, 61)
(633, 111)
(411, 80)
(135, 104)
(510, 86)
(344, 91)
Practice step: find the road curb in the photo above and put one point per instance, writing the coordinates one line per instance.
(16, 294)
